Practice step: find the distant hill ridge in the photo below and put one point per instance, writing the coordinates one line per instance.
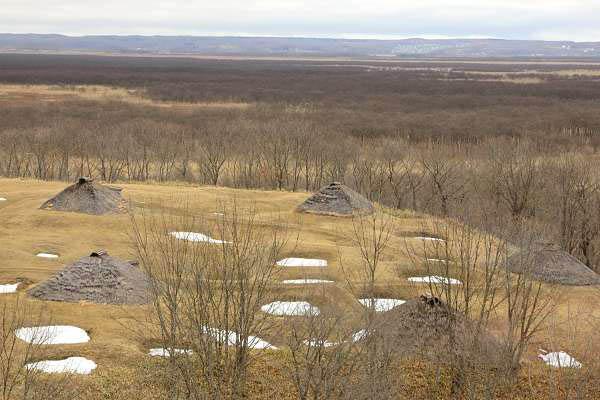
(283, 46)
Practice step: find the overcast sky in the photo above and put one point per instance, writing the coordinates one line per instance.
(577, 20)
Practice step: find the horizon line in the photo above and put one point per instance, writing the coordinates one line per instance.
(317, 36)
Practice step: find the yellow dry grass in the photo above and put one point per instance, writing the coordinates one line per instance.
(53, 93)
(26, 230)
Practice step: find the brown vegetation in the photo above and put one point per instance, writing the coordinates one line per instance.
(505, 165)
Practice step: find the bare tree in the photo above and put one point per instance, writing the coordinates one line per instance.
(371, 236)
(18, 380)
(207, 295)
(323, 355)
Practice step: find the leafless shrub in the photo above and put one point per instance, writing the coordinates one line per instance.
(206, 297)
(18, 380)
(323, 355)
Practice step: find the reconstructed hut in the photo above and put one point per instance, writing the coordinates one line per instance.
(548, 263)
(88, 197)
(98, 278)
(337, 200)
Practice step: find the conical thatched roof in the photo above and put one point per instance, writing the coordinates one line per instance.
(424, 327)
(98, 278)
(337, 200)
(548, 263)
(87, 197)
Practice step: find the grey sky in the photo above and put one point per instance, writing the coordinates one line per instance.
(525, 19)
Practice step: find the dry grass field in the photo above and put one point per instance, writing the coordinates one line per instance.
(15, 94)
(25, 231)
(435, 143)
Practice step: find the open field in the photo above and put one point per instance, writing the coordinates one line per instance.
(438, 144)
(26, 231)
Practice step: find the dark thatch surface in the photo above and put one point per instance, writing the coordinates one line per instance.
(87, 197)
(98, 278)
(426, 328)
(548, 263)
(337, 200)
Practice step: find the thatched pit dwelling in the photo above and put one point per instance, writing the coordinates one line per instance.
(87, 197)
(337, 200)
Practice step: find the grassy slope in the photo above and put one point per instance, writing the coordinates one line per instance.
(25, 230)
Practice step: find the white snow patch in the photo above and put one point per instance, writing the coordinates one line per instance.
(9, 288)
(302, 262)
(162, 352)
(218, 214)
(57, 334)
(360, 335)
(430, 239)
(72, 365)
(197, 237)
(319, 343)
(560, 360)
(232, 338)
(305, 281)
(295, 308)
(2, 199)
(435, 280)
(437, 260)
(382, 305)
(46, 255)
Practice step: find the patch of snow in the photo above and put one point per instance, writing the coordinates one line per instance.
(57, 334)
(360, 335)
(560, 360)
(435, 280)
(430, 239)
(2, 199)
(437, 260)
(305, 281)
(232, 338)
(319, 343)
(302, 262)
(294, 308)
(46, 255)
(9, 288)
(218, 214)
(382, 305)
(161, 352)
(197, 237)
(72, 365)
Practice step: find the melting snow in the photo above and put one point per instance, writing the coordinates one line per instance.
(360, 335)
(302, 262)
(47, 255)
(8, 288)
(2, 199)
(57, 334)
(72, 365)
(435, 280)
(560, 359)
(161, 352)
(319, 343)
(196, 237)
(430, 239)
(305, 281)
(232, 338)
(382, 305)
(437, 260)
(296, 308)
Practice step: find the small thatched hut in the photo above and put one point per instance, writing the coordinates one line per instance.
(548, 263)
(87, 197)
(98, 278)
(337, 200)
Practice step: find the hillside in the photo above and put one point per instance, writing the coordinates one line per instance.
(26, 231)
(304, 47)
